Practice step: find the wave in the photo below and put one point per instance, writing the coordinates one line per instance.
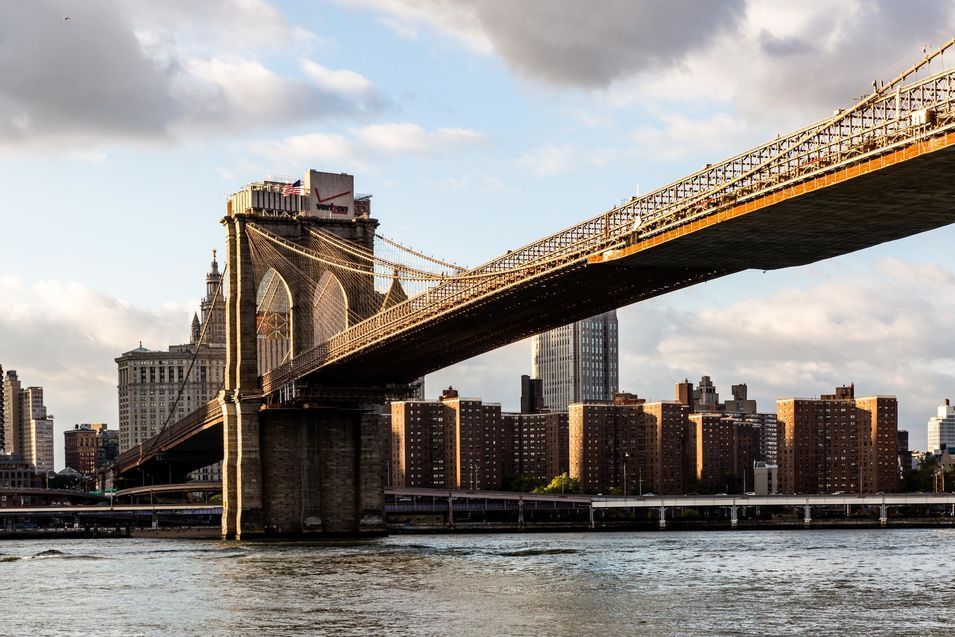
(536, 552)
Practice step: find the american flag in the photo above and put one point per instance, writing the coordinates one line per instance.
(292, 189)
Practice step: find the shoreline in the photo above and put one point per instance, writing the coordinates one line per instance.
(673, 526)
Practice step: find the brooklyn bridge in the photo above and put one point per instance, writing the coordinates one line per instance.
(326, 318)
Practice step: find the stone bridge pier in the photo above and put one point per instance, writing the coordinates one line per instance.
(305, 467)
(294, 471)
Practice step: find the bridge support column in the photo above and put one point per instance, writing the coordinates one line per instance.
(520, 512)
(321, 471)
(663, 517)
(734, 520)
(249, 516)
(230, 442)
(155, 520)
(592, 524)
(450, 511)
(807, 515)
(883, 515)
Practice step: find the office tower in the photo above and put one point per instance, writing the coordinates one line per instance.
(838, 443)
(12, 419)
(941, 428)
(36, 430)
(578, 362)
(150, 380)
(3, 411)
(532, 395)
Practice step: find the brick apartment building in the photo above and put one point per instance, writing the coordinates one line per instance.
(464, 443)
(838, 443)
(721, 449)
(630, 445)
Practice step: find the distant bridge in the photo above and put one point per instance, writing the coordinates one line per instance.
(298, 431)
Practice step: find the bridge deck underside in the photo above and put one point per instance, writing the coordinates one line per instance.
(199, 447)
(888, 204)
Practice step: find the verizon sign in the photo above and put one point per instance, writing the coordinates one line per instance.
(329, 195)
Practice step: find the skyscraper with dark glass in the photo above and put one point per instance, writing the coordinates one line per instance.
(578, 362)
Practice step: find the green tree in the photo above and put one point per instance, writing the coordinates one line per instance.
(521, 482)
(560, 484)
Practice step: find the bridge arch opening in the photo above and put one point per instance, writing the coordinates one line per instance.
(273, 321)
(330, 308)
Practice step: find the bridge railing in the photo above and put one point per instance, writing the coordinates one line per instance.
(875, 125)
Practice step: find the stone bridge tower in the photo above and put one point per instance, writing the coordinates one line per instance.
(295, 468)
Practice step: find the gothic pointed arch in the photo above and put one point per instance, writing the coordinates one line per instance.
(273, 321)
(330, 309)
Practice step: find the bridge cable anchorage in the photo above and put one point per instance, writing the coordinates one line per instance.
(216, 298)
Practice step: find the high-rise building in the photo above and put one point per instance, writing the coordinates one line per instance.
(721, 451)
(535, 445)
(578, 362)
(28, 429)
(741, 409)
(941, 428)
(838, 443)
(107, 444)
(79, 445)
(532, 395)
(452, 442)
(12, 418)
(38, 439)
(478, 440)
(150, 380)
(421, 451)
(3, 415)
(705, 397)
(629, 445)
(905, 454)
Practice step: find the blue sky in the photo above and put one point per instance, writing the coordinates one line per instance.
(478, 126)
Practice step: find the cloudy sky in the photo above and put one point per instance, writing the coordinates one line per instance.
(478, 126)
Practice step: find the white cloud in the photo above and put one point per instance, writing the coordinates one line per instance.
(338, 81)
(314, 149)
(64, 336)
(549, 160)
(787, 62)
(411, 139)
(140, 72)
(681, 136)
(376, 141)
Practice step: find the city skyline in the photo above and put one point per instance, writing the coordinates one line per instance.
(870, 318)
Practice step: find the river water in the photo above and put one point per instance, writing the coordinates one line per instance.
(825, 582)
